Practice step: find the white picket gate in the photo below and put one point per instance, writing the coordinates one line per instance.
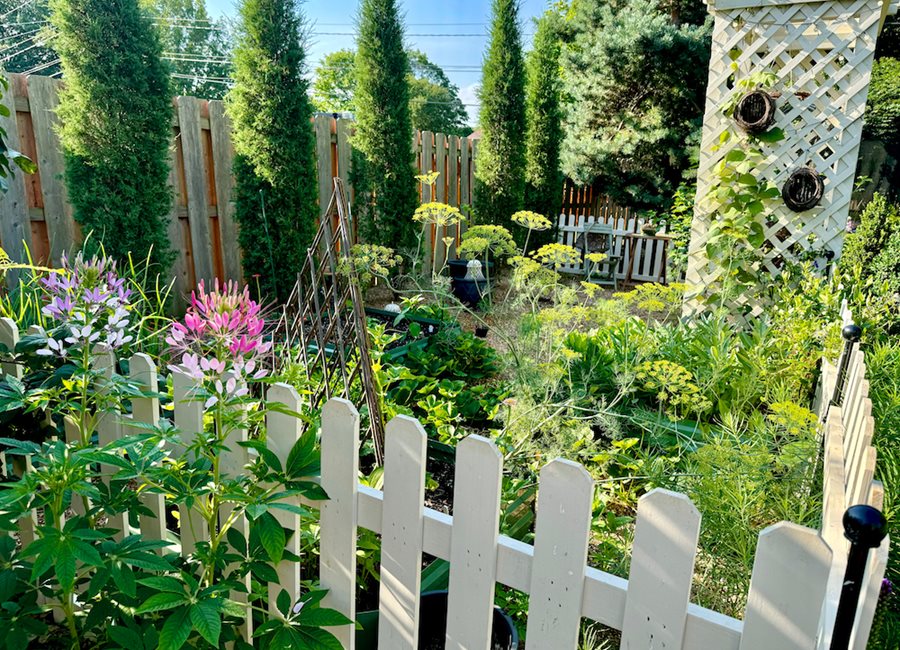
(787, 605)
(649, 253)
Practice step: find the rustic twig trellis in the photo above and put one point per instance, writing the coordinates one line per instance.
(323, 323)
(822, 53)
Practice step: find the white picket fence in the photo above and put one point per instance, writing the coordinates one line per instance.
(787, 605)
(648, 253)
(849, 460)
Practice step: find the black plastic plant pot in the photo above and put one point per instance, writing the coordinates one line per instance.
(469, 292)
(433, 626)
(458, 268)
(481, 332)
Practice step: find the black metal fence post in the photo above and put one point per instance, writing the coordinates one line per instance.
(851, 334)
(865, 527)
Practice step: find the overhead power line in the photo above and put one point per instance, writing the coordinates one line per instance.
(15, 9)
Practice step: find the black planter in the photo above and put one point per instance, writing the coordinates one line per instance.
(458, 268)
(433, 626)
(469, 292)
(481, 332)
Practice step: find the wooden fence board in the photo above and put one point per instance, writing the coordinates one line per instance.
(476, 520)
(195, 175)
(43, 99)
(223, 161)
(15, 226)
(322, 127)
(402, 534)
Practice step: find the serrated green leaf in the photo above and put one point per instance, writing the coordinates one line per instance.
(283, 602)
(128, 639)
(65, 566)
(206, 619)
(322, 617)
(163, 583)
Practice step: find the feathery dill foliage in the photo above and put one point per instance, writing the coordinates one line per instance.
(384, 126)
(500, 170)
(274, 144)
(116, 115)
(544, 180)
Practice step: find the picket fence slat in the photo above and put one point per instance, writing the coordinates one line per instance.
(790, 576)
(283, 430)
(662, 567)
(9, 338)
(338, 515)
(146, 410)
(476, 520)
(877, 565)
(188, 410)
(562, 533)
(402, 534)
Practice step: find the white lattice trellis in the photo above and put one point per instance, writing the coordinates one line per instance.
(822, 53)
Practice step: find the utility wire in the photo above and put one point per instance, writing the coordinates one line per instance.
(15, 9)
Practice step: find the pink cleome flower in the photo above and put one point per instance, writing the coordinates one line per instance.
(222, 332)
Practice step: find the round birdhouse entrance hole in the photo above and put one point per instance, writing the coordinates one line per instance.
(755, 111)
(803, 189)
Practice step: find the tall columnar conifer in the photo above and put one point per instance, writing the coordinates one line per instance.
(543, 190)
(116, 114)
(384, 127)
(500, 163)
(275, 169)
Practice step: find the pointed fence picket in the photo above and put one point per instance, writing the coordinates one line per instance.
(789, 603)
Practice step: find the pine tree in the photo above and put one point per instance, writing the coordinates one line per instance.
(500, 165)
(116, 114)
(275, 171)
(544, 180)
(384, 128)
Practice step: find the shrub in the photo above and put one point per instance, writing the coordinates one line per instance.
(384, 127)
(877, 223)
(275, 167)
(500, 172)
(116, 114)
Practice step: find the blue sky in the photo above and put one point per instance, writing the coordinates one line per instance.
(460, 56)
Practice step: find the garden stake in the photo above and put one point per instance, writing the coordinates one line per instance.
(851, 335)
(865, 527)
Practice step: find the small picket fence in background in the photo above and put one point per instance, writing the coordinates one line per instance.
(649, 256)
(787, 605)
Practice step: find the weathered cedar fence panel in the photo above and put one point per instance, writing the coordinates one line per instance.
(788, 604)
(202, 228)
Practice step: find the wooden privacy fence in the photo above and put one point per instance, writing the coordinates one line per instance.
(202, 229)
(649, 258)
(787, 605)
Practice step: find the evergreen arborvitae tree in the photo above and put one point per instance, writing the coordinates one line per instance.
(384, 127)
(544, 180)
(116, 114)
(500, 166)
(275, 167)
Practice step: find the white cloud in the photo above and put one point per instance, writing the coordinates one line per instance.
(469, 96)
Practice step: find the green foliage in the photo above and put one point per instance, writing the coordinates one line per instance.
(434, 101)
(634, 84)
(500, 172)
(384, 126)
(199, 47)
(116, 115)
(544, 119)
(878, 224)
(25, 41)
(275, 167)
(882, 120)
(10, 157)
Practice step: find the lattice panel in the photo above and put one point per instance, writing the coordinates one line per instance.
(822, 53)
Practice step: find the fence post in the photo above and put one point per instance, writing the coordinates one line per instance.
(865, 527)
(851, 334)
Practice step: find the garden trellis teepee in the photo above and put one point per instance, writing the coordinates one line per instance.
(324, 321)
(821, 54)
